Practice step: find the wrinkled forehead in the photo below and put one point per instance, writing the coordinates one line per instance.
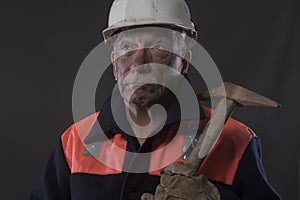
(146, 34)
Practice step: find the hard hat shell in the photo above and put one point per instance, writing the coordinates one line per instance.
(133, 13)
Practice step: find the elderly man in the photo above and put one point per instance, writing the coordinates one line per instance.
(147, 36)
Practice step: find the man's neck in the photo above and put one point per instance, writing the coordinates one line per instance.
(143, 121)
(140, 116)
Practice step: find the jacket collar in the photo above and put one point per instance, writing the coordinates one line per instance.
(108, 124)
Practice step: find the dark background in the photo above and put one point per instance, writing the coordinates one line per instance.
(42, 43)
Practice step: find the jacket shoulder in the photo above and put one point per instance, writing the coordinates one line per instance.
(81, 127)
(227, 151)
(72, 139)
(79, 158)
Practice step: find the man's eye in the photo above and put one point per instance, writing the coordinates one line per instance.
(126, 47)
(158, 46)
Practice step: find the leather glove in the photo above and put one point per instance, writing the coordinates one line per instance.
(178, 182)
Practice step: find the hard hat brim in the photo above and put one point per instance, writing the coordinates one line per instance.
(110, 31)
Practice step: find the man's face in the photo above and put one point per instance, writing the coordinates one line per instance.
(138, 57)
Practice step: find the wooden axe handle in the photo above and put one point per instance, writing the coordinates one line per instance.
(211, 132)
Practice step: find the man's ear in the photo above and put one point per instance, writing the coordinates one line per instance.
(185, 62)
(115, 72)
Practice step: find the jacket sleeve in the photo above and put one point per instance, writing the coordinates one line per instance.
(55, 181)
(250, 182)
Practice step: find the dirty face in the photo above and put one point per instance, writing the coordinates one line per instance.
(137, 59)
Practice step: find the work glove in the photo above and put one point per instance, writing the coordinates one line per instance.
(178, 182)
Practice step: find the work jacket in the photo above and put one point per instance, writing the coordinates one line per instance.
(95, 160)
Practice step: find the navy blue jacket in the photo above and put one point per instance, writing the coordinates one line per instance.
(61, 182)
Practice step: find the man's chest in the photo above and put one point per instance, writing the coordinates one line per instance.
(112, 187)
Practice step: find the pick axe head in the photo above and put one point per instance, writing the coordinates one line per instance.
(238, 94)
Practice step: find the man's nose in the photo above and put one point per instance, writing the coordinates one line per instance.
(140, 60)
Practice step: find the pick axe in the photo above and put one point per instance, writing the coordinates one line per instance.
(234, 96)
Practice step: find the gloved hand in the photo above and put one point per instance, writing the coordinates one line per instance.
(178, 182)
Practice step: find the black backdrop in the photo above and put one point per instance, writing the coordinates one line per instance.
(42, 43)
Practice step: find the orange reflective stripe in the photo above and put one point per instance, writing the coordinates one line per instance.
(84, 126)
(112, 154)
(220, 164)
(73, 146)
(71, 142)
(164, 156)
(222, 161)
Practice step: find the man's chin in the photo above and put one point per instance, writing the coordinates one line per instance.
(145, 101)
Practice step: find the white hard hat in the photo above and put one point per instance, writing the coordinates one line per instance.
(132, 13)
